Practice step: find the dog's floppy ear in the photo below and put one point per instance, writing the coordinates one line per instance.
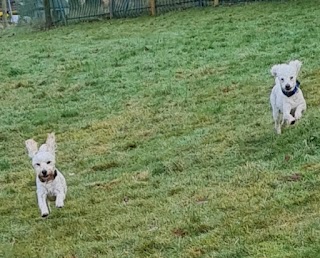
(297, 65)
(32, 147)
(51, 143)
(274, 70)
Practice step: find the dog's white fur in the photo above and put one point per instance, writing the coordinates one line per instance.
(285, 108)
(49, 181)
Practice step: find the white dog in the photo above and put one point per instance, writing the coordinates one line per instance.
(50, 182)
(286, 97)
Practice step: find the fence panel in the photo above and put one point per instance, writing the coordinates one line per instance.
(127, 8)
(64, 11)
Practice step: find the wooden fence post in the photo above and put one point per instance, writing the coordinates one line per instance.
(4, 13)
(152, 7)
(111, 9)
(47, 13)
(215, 2)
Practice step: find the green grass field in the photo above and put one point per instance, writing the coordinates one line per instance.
(165, 136)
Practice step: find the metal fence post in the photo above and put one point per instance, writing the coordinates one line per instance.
(10, 9)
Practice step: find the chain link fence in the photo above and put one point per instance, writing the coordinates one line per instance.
(66, 11)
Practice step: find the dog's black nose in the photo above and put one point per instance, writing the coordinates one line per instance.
(44, 172)
(288, 87)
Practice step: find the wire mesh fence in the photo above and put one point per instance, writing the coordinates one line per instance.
(66, 11)
(167, 5)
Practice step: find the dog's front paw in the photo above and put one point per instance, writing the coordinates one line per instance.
(290, 121)
(59, 205)
(44, 215)
(298, 116)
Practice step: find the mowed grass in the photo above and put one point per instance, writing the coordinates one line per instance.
(164, 135)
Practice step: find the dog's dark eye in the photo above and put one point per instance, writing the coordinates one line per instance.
(38, 164)
(48, 162)
(282, 79)
(291, 78)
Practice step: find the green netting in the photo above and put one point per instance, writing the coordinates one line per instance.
(32, 9)
(86, 9)
(64, 11)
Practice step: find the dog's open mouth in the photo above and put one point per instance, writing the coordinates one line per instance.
(46, 178)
